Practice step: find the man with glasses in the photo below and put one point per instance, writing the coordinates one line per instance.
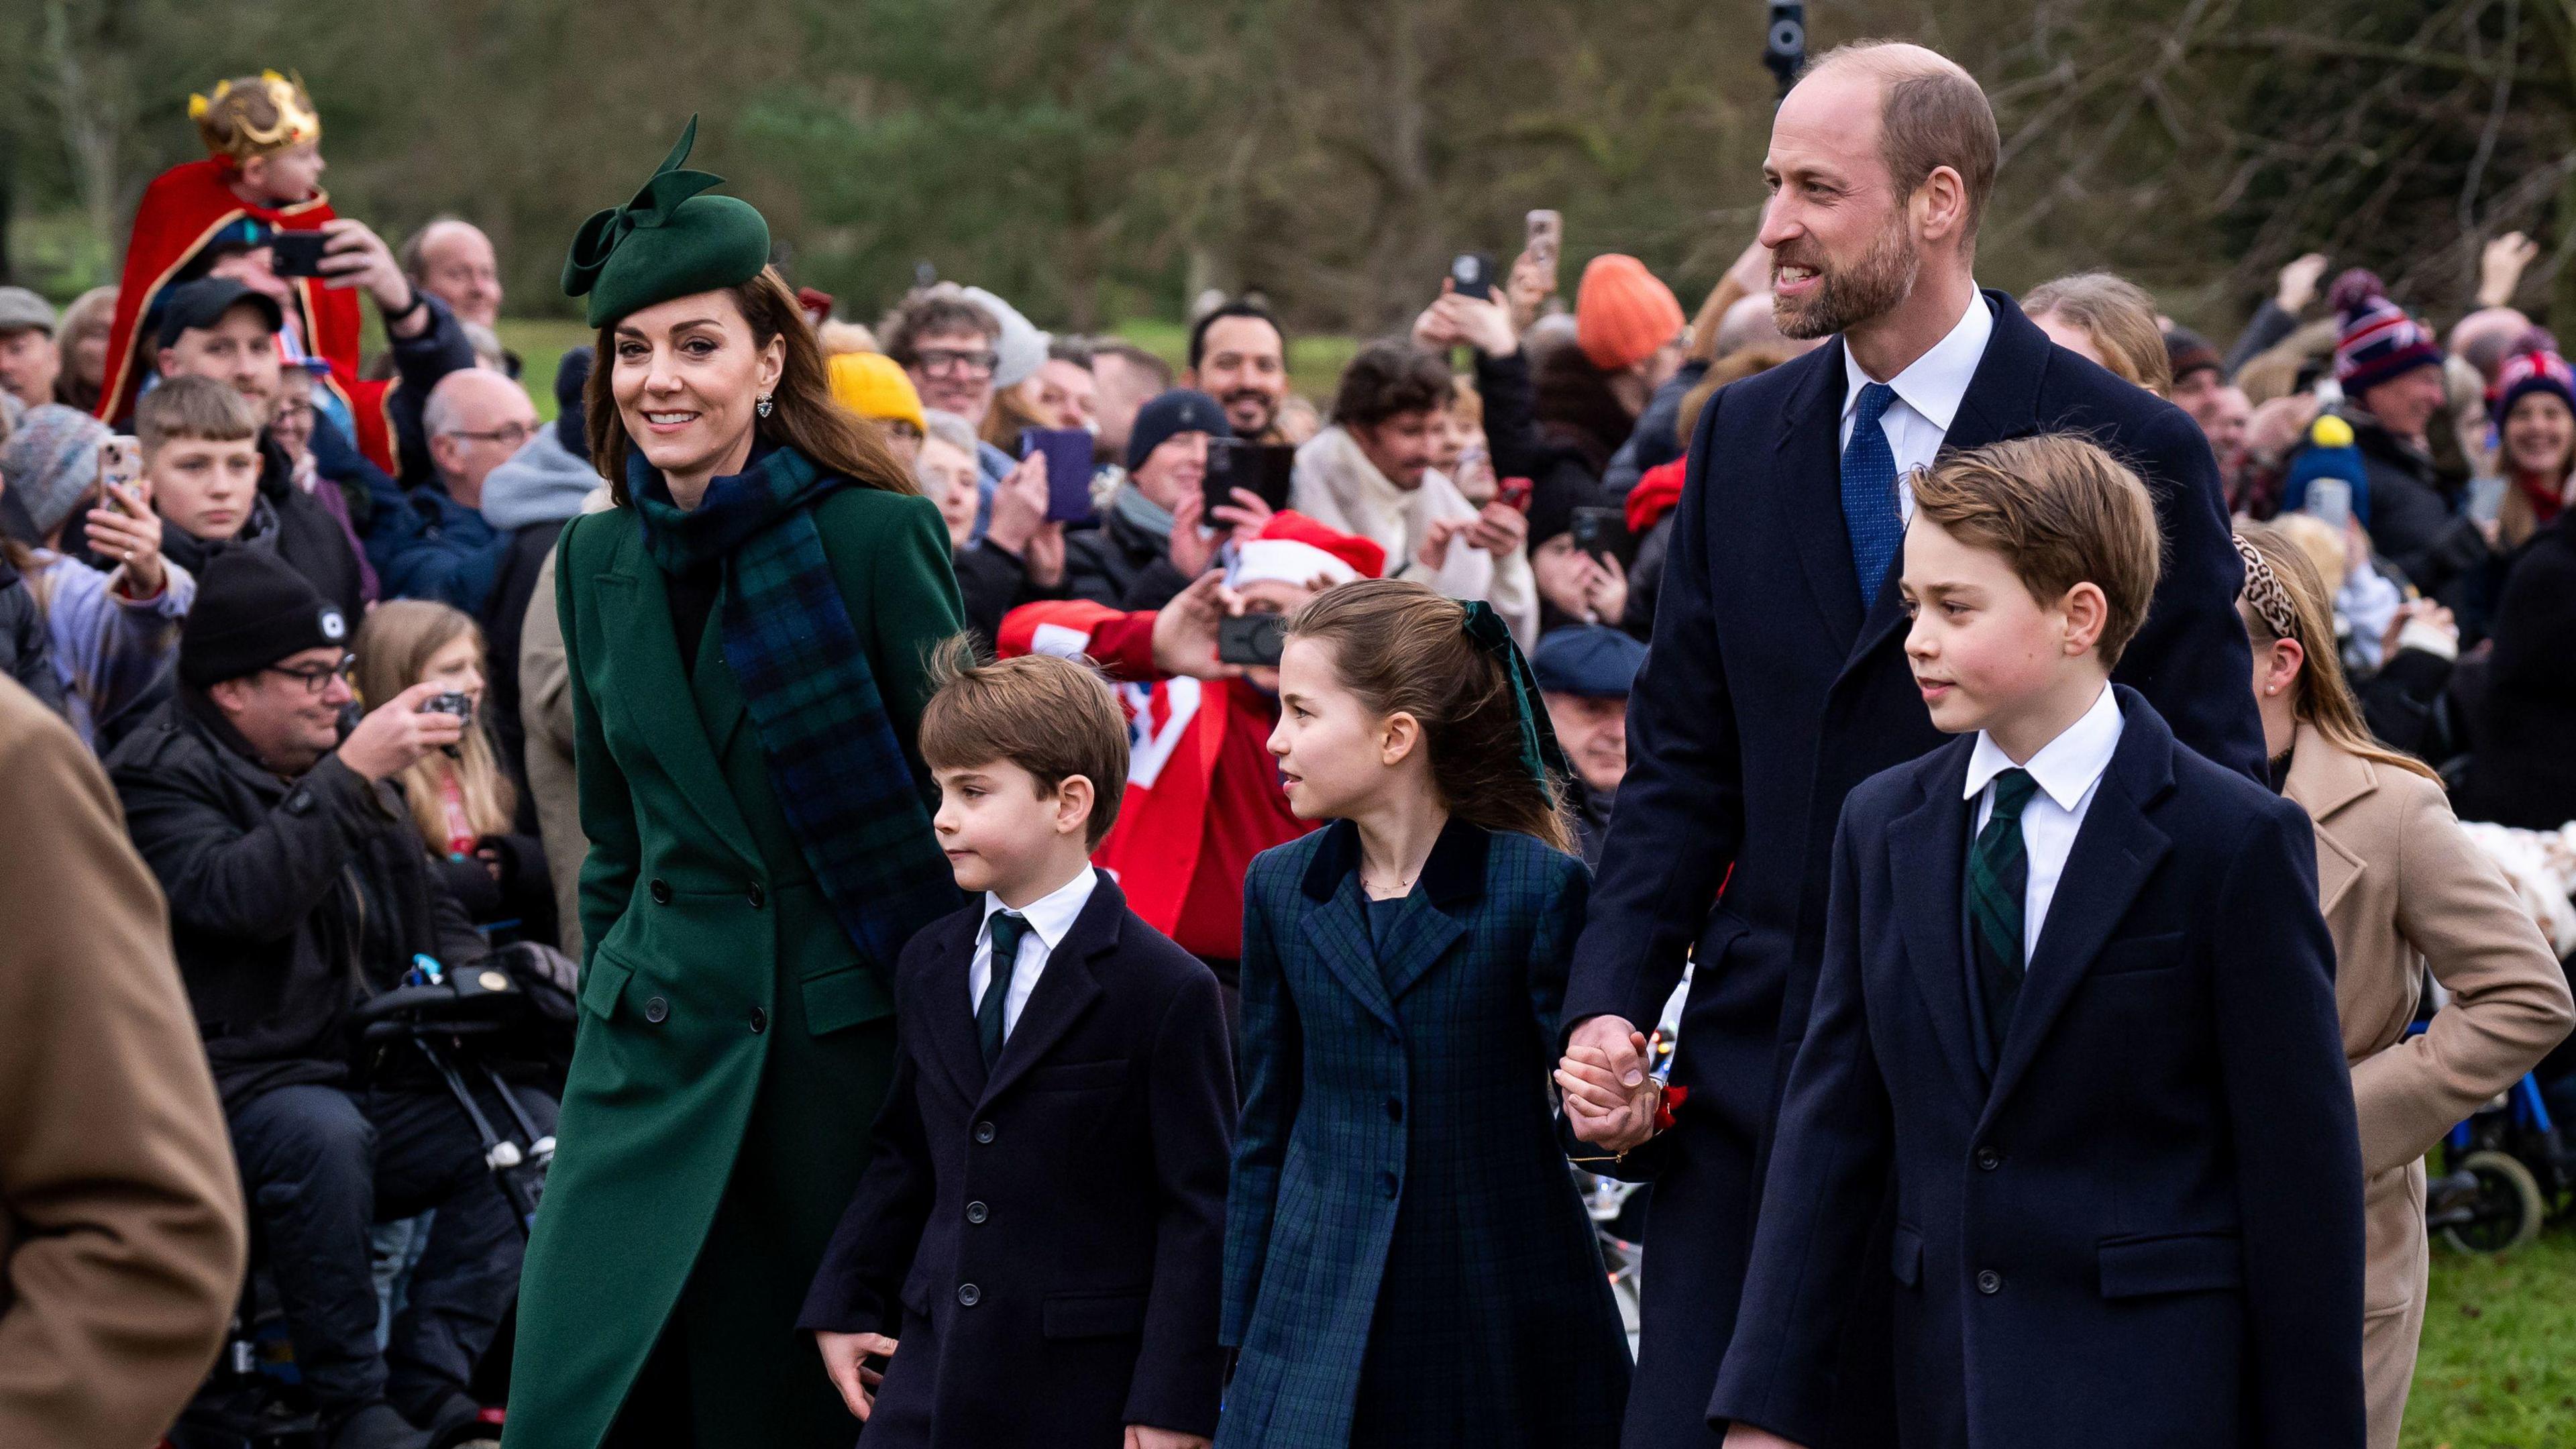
(949, 347)
(475, 420)
(297, 889)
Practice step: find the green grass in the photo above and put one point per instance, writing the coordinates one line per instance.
(2498, 1367)
(541, 342)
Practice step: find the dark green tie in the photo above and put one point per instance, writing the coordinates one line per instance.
(1008, 928)
(1998, 874)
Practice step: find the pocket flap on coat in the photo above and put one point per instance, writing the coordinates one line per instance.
(2181, 1263)
(606, 982)
(844, 998)
(1091, 1315)
(1905, 1256)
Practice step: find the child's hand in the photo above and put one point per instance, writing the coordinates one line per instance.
(1140, 1437)
(845, 1358)
(1600, 1105)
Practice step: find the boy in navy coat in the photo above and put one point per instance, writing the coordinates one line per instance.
(1035, 1250)
(2078, 1004)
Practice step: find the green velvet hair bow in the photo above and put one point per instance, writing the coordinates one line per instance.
(1541, 756)
(667, 242)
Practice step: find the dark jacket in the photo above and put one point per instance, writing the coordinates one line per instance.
(1563, 474)
(2143, 1226)
(1771, 691)
(505, 616)
(290, 900)
(296, 525)
(419, 362)
(2413, 526)
(443, 550)
(1045, 1242)
(992, 581)
(26, 649)
(1118, 564)
(2524, 769)
(1406, 1261)
(1657, 440)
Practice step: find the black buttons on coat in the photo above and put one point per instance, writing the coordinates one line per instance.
(1990, 1281)
(976, 1212)
(661, 890)
(969, 1295)
(656, 1010)
(759, 897)
(1988, 1159)
(759, 1021)
(1393, 1185)
(983, 1131)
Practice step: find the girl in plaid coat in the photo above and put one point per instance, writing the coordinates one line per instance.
(1406, 1259)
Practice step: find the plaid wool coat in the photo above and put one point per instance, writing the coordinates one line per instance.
(1406, 1259)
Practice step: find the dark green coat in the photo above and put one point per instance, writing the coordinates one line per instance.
(734, 1046)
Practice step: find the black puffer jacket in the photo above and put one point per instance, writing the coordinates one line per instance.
(2413, 526)
(290, 900)
(300, 530)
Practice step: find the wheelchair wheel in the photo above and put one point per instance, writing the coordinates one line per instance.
(2509, 1205)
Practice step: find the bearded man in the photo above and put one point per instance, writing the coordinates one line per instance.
(1778, 678)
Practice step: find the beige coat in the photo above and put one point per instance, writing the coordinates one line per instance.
(545, 709)
(121, 1232)
(2403, 888)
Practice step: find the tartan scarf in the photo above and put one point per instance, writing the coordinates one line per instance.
(838, 770)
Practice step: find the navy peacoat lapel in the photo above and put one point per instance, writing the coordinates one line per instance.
(636, 614)
(1064, 991)
(1927, 859)
(1806, 488)
(1424, 929)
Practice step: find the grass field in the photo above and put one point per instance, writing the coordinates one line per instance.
(2498, 1369)
(1314, 363)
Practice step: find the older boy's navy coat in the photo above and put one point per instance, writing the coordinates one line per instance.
(1044, 1242)
(1772, 690)
(1405, 1251)
(2147, 1229)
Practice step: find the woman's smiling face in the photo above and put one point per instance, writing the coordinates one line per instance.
(688, 376)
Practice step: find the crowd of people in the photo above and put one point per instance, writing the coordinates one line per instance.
(1102, 896)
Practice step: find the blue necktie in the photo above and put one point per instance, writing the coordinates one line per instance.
(1870, 515)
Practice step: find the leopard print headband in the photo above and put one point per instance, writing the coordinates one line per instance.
(2265, 591)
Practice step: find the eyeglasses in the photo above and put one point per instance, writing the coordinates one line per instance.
(317, 678)
(938, 360)
(509, 434)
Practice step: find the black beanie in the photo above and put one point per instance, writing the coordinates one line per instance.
(572, 377)
(252, 610)
(1178, 411)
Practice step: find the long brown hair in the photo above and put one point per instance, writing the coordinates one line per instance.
(2120, 318)
(1402, 648)
(804, 417)
(394, 646)
(2286, 583)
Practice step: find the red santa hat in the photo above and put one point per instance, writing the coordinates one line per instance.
(1294, 549)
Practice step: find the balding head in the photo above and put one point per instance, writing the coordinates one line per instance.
(2486, 336)
(1748, 321)
(1931, 114)
(475, 420)
(452, 260)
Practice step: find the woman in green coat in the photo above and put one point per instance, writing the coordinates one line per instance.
(746, 636)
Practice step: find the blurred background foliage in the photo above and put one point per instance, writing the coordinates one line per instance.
(1100, 163)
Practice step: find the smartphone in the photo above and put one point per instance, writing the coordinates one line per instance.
(1068, 467)
(120, 465)
(1546, 238)
(2486, 499)
(2329, 499)
(1473, 275)
(1514, 493)
(1264, 468)
(297, 253)
(1600, 532)
(1251, 639)
(455, 703)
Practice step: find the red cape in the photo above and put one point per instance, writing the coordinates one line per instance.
(181, 210)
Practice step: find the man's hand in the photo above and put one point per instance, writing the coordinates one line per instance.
(1499, 529)
(132, 536)
(397, 734)
(1044, 558)
(845, 1358)
(2500, 267)
(1527, 289)
(1586, 1081)
(1185, 630)
(1141, 1437)
(1745, 1436)
(2296, 285)
(1019, 506)
(1481, 322)
(357, 257)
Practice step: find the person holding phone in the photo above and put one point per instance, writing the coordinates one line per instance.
(1021, 557)
(1151, 541)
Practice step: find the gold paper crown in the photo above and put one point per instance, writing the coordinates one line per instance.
(230, 131)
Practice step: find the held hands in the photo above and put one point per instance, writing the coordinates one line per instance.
(1141, 1437)
(845, 1358)
(132, 536)
(394, 737)
(1609, 1098)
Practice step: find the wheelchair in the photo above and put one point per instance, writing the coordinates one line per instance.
(2506, 1170)
(481, 1027)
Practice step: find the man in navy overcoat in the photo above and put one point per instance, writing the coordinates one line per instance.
(1778, 680)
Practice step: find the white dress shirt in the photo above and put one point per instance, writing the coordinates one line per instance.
(1928, 394)
(1049, 916)
(2068, 769)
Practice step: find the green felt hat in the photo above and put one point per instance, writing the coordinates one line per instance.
(668, 242)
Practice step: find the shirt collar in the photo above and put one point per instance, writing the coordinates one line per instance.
(1936, 383)
(2066, 766)
(1050, 915)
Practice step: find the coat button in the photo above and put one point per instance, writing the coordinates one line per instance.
(1990, 1281)
(983, 1131)
(759, 1021)
(969, 1295)
(656, 1010)
(976, 1212)
(1988, 1159)
(759, 897)
(1395, 1109)
(1392, 1184)
(661, 891)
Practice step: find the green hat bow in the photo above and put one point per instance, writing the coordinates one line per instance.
(1541, 756)
(669, 241)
